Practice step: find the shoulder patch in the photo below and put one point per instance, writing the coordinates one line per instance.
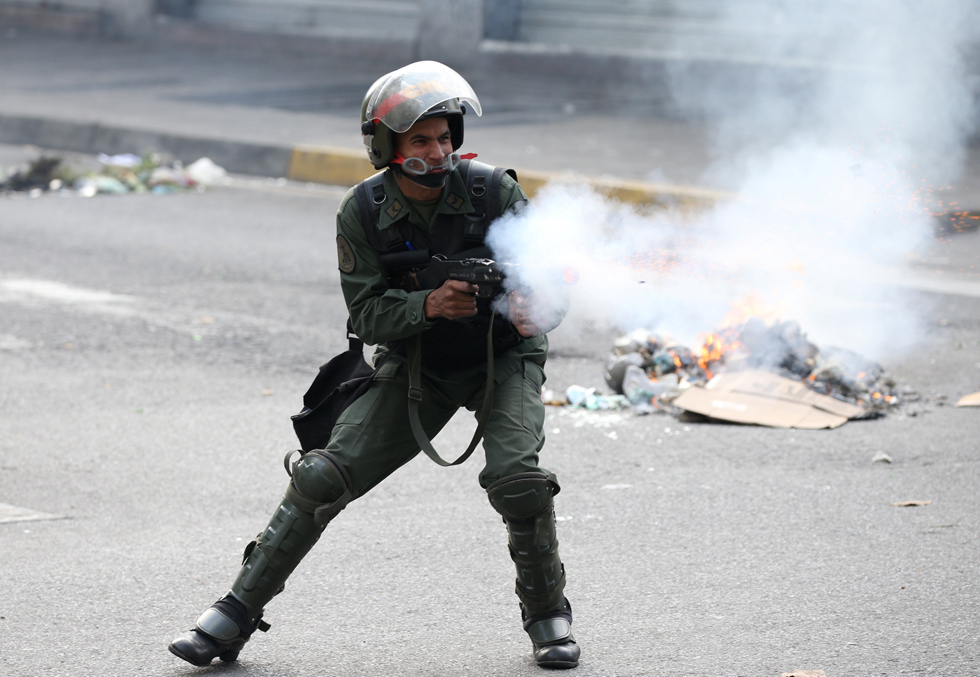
(345, 256)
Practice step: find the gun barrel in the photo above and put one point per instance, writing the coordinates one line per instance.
(477, 271)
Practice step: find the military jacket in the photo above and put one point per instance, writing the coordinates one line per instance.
(382, 314)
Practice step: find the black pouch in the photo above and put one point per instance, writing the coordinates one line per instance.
(340, 382)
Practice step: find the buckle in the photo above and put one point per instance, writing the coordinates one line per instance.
(415, 393)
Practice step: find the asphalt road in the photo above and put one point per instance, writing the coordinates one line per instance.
(152, 349)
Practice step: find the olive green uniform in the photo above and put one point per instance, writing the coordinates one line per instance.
(373, 436)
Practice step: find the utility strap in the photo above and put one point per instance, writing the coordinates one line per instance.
(415, 396)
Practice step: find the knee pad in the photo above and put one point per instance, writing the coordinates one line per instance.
(320, 485)
(523, 496)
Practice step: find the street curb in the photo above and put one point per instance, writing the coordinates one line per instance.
(344, 167)
(318, 164)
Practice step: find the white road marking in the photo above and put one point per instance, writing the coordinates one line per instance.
(12, 513)
(18, 289)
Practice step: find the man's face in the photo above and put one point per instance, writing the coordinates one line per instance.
(427, 139)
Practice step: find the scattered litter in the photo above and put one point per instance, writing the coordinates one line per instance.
(769, 372)
(575, 395)
(910, 504)
(123, 160)
(111, 185)
(552, 398)
(590, 398)
(119, 175)
(881, 457)
(205, 172)
(85, 186)
(972, 400)
(38, 174)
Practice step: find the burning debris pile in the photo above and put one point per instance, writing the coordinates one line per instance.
(117, 175)
(759, 360)
(646, 367)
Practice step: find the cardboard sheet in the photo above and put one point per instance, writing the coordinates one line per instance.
(762, 398)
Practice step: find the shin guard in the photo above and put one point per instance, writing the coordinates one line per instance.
(318, 491)
(526, 502)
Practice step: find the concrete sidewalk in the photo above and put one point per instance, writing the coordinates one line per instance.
(292, 116)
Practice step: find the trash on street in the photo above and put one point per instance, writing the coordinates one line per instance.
(753, 371)
(972, 400)
(590, 398)
(118, 175)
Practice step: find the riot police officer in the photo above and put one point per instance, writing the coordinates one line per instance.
(441, 346)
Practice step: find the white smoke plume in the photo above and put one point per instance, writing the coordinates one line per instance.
(832, 159)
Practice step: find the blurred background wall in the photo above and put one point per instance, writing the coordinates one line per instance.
(715, 30)
(665, 57)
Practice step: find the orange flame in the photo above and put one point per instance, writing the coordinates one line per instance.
(716, 345)
(713, 350)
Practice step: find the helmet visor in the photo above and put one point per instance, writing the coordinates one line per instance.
(414, 89)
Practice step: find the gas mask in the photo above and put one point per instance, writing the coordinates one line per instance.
(424, 174)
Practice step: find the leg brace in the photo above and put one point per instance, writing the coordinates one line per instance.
(526, 502)
(318, 491)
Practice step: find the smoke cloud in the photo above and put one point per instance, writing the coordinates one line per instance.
(846, 117)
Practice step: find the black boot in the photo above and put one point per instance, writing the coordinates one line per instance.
(220, 632)
(551, 637)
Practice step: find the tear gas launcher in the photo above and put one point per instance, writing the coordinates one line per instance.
(416, 270)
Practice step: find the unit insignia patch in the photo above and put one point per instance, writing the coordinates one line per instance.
(345, 255)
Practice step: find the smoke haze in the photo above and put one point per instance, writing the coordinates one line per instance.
(851, 113)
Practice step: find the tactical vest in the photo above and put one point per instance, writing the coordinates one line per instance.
(447, 344)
